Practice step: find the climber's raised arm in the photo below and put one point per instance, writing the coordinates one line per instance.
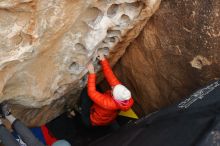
(96, 96)
(108, 73)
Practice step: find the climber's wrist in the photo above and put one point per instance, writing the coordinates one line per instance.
(91, 72)
(91, 68)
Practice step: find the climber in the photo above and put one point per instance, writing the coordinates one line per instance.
(25, 136)
(104, 107)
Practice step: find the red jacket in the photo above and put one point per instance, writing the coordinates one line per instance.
(105, 109)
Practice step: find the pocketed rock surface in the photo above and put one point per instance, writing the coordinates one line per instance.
(46, 44)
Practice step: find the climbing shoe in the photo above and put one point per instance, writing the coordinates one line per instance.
(4, 110)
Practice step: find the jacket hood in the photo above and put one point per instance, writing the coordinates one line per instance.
(125, 105)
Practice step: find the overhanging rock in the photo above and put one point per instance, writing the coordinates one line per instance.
(46, 44)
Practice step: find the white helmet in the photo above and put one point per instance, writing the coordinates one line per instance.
(121, 93)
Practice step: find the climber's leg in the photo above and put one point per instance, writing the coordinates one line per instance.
(85, 105)
(25, 133)
(6, 137)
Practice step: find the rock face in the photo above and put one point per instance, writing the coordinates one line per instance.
(46, 44)
(177, 52)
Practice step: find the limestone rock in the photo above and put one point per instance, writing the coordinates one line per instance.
(46, 44)
(176, 53)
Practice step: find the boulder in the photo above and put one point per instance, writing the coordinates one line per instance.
(46, 45)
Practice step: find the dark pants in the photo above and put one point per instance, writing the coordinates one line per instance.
(85, 103)
(26, 135)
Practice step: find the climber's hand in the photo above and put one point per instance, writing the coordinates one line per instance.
(100, 55)
(90, 68)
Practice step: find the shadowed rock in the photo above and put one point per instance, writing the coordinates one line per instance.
(176, 53)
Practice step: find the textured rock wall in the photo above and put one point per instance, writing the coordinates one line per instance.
(177, 52)
(46, 44)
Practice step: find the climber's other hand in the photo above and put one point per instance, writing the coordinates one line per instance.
(100, 55)
(90, 68)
